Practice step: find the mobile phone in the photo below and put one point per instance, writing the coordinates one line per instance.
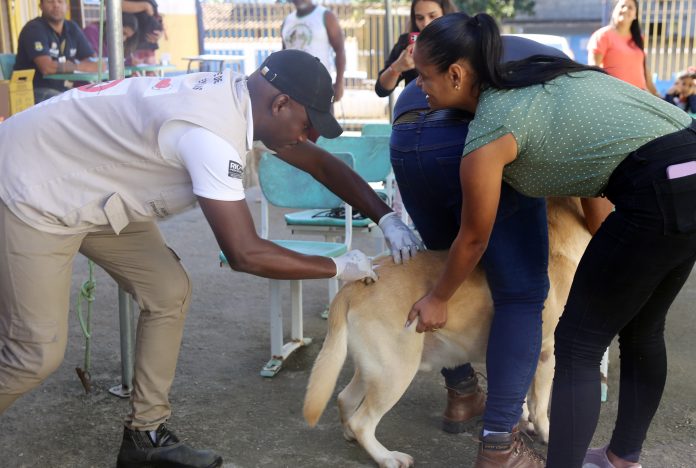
(412, 37)
(676, 171)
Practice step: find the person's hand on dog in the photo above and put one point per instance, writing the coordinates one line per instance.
(430, 312)
(402, 241)
(353, 266)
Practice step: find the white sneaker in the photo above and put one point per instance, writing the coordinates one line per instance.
(597, 458)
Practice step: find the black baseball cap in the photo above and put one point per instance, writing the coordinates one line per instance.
(303, 77)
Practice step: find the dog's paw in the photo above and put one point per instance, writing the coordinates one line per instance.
(396, 460)
(542, 431)
(348, 434)
(526, 426)
(539, 431)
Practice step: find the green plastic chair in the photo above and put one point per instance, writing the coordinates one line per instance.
(372, 163)
(286, 186)
(7, 62)
(377, 129)
(371, 154)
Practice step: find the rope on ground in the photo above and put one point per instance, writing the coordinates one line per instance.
(87, 294)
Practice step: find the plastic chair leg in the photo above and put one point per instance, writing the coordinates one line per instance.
(276, 319)
(333, 290)
(279, 350)
(296, 309)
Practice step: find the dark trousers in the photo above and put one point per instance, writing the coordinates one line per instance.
(42, 94)
(626, 281)
(425, 155)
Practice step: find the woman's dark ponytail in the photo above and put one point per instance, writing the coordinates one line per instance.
(491, 50)
(477, 40)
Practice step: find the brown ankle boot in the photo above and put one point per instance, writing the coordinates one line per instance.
(507, 451)
(465, 405)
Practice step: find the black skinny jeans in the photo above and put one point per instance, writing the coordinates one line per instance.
(632, 270)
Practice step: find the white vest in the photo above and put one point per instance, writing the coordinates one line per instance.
(90, 158)
(308, 33)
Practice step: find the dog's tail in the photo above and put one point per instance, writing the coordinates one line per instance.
(329, 361)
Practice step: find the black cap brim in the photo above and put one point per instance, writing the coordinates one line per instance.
(324, 123)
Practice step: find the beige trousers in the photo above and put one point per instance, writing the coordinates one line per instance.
(35, 277)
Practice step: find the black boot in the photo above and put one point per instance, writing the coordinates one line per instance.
(161, 448)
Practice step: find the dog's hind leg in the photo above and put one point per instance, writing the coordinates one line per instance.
(525, 420)
(540, 393)
(348, 401)
(384, 385)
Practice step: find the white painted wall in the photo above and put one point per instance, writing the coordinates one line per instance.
(177, 7)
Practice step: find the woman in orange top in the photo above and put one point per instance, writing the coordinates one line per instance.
(618, 47)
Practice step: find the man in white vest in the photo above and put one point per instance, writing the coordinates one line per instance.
(124, 154)
(315, 30)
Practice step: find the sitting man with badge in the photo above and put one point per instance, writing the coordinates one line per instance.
(51, 44)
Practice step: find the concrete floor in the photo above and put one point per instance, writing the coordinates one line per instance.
(221, 402)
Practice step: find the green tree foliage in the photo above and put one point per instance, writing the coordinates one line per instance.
(498, 9)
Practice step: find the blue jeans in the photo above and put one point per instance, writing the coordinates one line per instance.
(425, 155)
(626, 281)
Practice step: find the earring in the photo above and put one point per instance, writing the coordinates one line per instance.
(456, 87)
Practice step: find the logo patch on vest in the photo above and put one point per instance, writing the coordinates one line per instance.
(235, 170)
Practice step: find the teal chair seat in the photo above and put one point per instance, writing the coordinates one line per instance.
(317, 218)
(325, 249)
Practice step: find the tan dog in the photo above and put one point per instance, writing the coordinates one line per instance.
(369, 321)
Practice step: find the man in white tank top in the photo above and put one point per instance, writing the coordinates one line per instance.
(315, 30)
(124, 154)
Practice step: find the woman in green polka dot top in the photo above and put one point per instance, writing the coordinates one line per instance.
(549, 126)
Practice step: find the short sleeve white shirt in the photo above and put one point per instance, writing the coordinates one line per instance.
(215, 167)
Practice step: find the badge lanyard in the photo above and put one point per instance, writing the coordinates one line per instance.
(61, 55)
(63, 42)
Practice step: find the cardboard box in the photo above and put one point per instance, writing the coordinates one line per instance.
(17, 93)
